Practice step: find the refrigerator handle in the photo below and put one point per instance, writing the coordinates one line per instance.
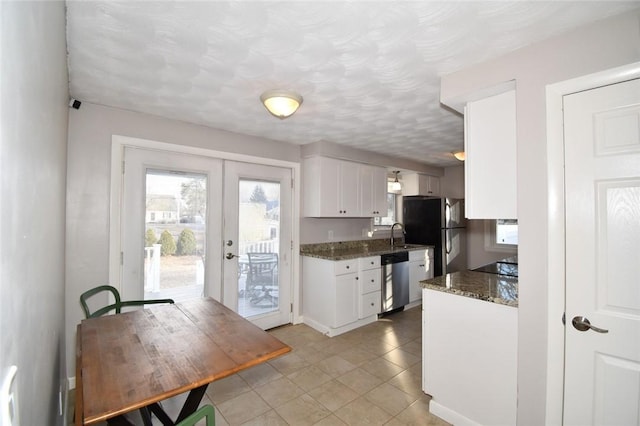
(446, 243)
(447, 213)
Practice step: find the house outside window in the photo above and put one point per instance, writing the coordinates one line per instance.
(501, 235)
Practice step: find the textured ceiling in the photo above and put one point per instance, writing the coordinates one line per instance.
(369, 71)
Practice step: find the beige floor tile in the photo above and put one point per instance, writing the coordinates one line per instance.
(389, 398)
(395, 338)
(359, 380)
(270, 418)
(362, 412)
(331, 420)
(376, 346)
(227, 388)
(279, 391)
(382, 368)
(402, 358)
(358, 355)
(303, 411)
(243, 408)
(312, 354)
(309, 378)
(333, 395)
(335, 366)
(408, 382)
(413, 347)
(289, 363)
(260, 374)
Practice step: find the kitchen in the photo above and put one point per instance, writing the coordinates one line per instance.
(87, 203)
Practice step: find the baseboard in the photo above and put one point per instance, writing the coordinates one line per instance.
(332, 332)
(449, 415)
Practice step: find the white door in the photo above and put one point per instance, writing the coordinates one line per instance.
(170, 225)
(602, 183)
(257, 242)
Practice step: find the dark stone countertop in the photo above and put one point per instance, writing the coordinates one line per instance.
(477, 285)
(345, 250)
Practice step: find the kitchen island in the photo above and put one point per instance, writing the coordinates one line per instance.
(469, 360)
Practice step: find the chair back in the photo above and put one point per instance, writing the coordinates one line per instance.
(205, 412)
(117, 306)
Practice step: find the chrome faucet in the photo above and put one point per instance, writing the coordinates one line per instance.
(401, 228)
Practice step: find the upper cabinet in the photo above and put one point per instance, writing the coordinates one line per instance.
(339, 188)
(419, 184)
(490, 165)
(373, 194)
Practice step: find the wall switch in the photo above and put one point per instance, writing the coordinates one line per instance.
(330, 236)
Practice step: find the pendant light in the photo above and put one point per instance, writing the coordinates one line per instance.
(395, 186)
(281, 103)
(459, 155)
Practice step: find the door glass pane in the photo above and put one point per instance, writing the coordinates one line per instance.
(175, 230)
(259, 238)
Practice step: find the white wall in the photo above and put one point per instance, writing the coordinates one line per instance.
(33, 129)
(596, 47)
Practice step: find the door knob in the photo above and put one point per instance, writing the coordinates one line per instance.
(583, 324)
(230, 256)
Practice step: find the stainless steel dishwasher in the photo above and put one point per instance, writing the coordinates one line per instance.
(395, 281)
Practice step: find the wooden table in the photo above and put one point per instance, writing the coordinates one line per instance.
(136, 359)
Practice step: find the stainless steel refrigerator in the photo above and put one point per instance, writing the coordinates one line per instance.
(439, 222)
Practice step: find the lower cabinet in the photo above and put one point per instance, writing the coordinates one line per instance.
(420, 269)
(339, 296)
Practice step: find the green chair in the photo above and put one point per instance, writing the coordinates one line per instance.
(117, 306)
(205, 412)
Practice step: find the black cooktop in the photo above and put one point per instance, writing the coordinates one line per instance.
(505, 267)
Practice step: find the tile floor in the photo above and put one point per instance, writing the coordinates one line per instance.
(369, 376)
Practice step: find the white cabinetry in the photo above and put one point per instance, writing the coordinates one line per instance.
(330, 188)
(332, 294)
(373, 191)
(339, 188)
(420, 269)
(370, 291)
(490, 165)
(419, 184)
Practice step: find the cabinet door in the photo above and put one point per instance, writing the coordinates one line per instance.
(373, 191)
(490, 165)
(370, 304)
(417, 273)
(348, 188)
(346, 298)
(433, 186)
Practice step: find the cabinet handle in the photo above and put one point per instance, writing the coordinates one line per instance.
(357, 278)
(347, 266)
(372, 303)
(421, 266)
(372, 280)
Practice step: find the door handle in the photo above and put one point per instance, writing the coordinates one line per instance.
(230, 256)
(583, 324)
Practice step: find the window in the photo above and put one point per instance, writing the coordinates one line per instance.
(390, 218)
(501, 235)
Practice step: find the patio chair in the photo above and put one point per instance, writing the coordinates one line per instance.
(262, 278)
(117, 305)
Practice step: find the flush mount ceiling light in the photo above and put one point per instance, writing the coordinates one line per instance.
(395, 185)
(281, 103)
(459, 155)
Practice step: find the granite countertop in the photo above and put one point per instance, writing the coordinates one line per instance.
(477, 285)
(344, 250)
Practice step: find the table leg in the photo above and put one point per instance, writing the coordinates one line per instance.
(193, 401)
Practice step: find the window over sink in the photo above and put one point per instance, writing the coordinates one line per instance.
(390, 218)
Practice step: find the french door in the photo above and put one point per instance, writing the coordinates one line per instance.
(178, 213)
(257, 237)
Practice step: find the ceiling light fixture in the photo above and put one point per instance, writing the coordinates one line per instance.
(281, 103)
(459, 155)
(395, 185)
